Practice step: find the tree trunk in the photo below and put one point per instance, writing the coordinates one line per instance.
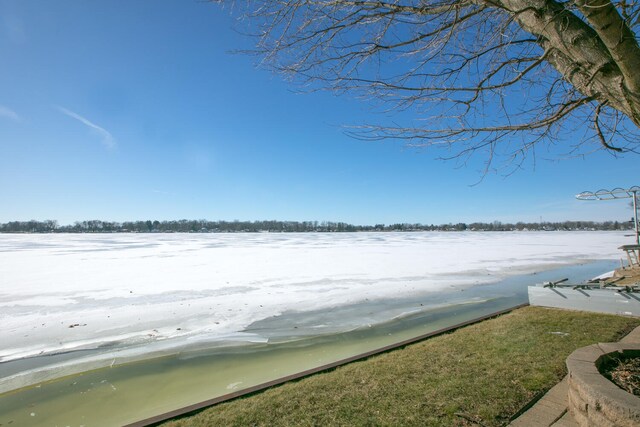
(602, 62)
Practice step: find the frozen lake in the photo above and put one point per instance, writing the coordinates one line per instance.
(69, 303)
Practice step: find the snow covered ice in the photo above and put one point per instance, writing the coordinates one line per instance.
(145, 293)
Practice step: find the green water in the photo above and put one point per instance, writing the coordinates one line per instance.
(131, 392)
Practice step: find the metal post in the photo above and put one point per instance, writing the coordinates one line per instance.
(635, 215)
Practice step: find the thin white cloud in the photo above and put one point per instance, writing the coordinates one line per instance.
(8, 113)
(163, 192)
(107, 139)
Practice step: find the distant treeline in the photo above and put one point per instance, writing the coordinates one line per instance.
(204, 226)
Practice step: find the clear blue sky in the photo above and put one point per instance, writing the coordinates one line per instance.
(121, 110)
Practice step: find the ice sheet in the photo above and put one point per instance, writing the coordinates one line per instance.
(70, 292)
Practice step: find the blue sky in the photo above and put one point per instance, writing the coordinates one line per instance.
(121, 110)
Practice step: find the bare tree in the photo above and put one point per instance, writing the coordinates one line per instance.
(499, 76)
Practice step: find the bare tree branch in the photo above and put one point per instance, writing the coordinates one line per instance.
(497, 76)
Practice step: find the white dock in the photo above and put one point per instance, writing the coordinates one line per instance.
(596, 300)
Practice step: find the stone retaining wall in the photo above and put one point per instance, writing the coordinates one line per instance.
(593, 399)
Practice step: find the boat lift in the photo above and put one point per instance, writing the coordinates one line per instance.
(604, 295)
(608, 283)
(615, 194)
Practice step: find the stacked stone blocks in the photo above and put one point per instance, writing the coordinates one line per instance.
(593, 400)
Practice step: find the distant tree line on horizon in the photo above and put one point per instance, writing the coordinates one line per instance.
(204, 226)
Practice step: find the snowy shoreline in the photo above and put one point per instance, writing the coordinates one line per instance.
(128, 297)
